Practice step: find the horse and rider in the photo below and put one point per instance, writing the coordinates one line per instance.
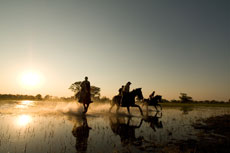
(153, 101)
(85, 94)
(124, 93)
(125, 98)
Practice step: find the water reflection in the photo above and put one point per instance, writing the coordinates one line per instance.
(25, 104)
(186, 109)
(154, 121)
(81, 132)
(121, 127)
(23, 120)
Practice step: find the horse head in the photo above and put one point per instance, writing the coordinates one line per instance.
(138, 93)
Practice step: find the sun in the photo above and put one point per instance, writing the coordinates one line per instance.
(30, 79)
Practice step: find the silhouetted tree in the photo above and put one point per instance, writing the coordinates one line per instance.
(47, 97)
(164, 101)
(104, 99)
(95, 91)
(184, 98)
(75, 87)
(38, 97)
(174, 101)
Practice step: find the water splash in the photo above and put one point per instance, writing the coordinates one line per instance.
(69, 108)
(48, 107)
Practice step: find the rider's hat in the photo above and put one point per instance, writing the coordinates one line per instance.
(129, 82)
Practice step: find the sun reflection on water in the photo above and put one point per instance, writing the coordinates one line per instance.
(25, 104)
(23, 120)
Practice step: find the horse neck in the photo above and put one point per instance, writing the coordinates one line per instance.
(133, 93)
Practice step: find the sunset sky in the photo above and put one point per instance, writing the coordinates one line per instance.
(169, 46)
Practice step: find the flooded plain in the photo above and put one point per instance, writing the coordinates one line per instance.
(59, 127)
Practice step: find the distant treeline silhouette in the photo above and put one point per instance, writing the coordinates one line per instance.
(46, 98)
(183, 98)
(31, 97)
(20, 97)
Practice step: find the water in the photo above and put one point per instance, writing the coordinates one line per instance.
(58, 127)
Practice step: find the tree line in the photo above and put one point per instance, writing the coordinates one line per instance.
(96, 96)
(20, 97)
(47, 98)
(184, 98)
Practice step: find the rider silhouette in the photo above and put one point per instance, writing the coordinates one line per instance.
(120, 91)
(85, 95)
(125, 94)
(127, 87)
(151, 96)
(85, 91)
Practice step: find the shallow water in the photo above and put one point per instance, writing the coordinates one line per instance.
(58, 127)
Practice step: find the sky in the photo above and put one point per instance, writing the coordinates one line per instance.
(166, 46)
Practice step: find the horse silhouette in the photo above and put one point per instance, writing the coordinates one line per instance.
(153, 102)
(129, 100)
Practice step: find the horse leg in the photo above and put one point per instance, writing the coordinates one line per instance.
(159, 106)
(147, 109)
(111, 107)
(87, 106)
(139, 108)
(118, 107)
(156, 108)
(128, 110)
(84, 108)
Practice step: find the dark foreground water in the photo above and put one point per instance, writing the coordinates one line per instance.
(48, 127)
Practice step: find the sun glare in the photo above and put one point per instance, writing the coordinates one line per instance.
(30, 79)
(24, 120)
